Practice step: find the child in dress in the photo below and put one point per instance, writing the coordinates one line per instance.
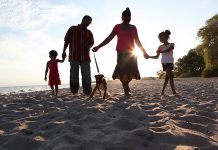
(167, 60)
(52, 66)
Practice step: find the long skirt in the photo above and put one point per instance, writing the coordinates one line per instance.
(127, 67)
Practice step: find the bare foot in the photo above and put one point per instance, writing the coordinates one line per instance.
(127, 93)
(76, 93)
(176, 94)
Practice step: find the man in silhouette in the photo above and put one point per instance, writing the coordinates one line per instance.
(80, 40)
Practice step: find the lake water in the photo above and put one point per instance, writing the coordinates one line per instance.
(24, 89)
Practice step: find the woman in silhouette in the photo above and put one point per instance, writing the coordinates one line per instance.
(127, 67)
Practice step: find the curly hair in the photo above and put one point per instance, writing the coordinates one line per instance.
(53, 53)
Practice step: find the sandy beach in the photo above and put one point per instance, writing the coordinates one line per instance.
(144, 121)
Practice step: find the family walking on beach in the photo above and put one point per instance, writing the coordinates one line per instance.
(80, 40)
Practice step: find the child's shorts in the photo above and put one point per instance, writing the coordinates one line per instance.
(167, 65)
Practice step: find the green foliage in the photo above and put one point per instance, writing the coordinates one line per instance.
(190, 65)
(160, 74)
(209, 46)
(210, 73)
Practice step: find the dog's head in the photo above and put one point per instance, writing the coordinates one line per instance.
(99, 78)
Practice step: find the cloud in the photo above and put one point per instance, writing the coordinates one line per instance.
(34, 14)
(28, 23)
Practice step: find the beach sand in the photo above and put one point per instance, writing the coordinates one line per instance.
(144, 121)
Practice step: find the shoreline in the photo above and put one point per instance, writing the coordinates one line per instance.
(33, 88)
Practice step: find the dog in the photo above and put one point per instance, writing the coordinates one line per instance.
(101, 84)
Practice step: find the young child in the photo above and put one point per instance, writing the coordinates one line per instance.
(52, 66)
(167, 60)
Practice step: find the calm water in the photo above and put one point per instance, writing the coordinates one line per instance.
(24, 89)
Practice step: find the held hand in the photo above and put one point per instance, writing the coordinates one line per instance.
(146, 55)
(64, 55)
(95, 49)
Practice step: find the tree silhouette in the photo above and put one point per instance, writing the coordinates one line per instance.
(190, 65)
(209, 46)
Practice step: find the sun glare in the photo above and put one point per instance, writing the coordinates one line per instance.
(137, 52)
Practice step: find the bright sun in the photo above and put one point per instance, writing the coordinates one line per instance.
(137, 52)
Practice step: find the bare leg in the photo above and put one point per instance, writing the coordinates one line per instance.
(56, 90)
(128, 84)
(126, 88)
(52, 89)
(165, 84)
(172, 82)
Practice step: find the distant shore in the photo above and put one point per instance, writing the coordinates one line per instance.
(144, 121)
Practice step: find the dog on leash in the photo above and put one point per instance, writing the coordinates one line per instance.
(101, 84)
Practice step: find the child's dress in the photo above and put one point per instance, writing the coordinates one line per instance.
(54, 78)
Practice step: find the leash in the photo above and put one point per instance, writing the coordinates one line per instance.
(96, 64)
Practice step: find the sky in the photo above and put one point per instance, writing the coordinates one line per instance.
(29, 29)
